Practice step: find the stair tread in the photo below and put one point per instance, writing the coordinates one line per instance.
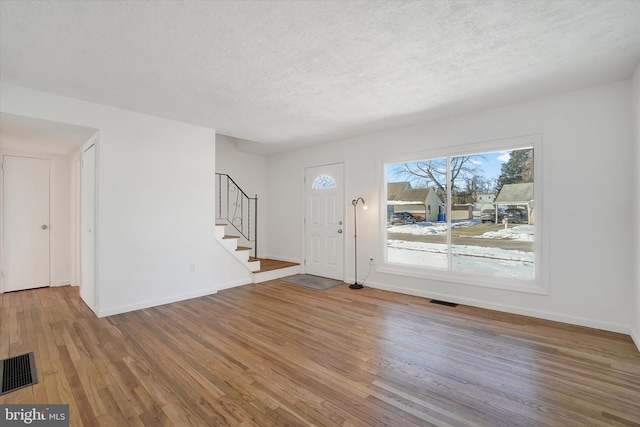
(243, 248)
(231, 237)
(270, 264)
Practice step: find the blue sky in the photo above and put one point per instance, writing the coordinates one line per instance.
(490, 163)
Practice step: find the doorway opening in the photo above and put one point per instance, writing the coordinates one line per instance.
(43, 165)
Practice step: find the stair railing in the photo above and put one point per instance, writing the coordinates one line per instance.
(239, 210)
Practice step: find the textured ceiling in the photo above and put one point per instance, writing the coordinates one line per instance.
(284, 73)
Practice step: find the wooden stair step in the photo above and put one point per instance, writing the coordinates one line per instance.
(272, 264)
(243, 248)
(231, 237)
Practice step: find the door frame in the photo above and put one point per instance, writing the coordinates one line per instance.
(74, 278)
(305, 191)
(93, 141)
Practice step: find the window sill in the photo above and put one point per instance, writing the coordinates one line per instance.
(532, 286)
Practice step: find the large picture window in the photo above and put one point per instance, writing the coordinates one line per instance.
(470, 215)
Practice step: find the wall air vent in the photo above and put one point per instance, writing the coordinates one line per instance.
(448, 304)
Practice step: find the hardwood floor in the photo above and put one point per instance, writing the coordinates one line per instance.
(276, 354)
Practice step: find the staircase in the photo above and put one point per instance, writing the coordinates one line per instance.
(240, 252)
(238, 213)
(235, 208)
(262, 269)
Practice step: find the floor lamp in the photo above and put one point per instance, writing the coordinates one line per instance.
(354, 202)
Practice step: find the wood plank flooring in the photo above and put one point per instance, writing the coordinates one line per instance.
(277, 354)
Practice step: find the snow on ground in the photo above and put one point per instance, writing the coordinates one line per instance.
(421, 228)
(523, 233)
(464, 250)
(477, 259)
(465, 258)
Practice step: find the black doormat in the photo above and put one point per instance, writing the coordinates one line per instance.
(313, 282)
(17, 372)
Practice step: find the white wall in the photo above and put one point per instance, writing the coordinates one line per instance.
(636, 197)
(587, 145)
(249, 171)
(60, 213)
(155, 202)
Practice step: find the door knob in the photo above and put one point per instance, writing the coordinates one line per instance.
(340, 230)
(44, 226)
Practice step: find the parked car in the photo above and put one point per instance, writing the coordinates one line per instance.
(489, 215)
(403, 218)
(516, 215)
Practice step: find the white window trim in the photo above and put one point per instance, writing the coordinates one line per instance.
(540, 283)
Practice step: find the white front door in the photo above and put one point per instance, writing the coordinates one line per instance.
(87, 227)
(324, 221)
(26, 223)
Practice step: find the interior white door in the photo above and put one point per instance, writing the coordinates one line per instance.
(87, 227)
(26, 223)
(324, 221)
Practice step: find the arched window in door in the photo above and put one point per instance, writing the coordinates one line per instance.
(323, 182)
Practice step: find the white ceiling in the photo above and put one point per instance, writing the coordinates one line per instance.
(284, 73)
(41, 136)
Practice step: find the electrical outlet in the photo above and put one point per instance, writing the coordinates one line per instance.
(192, 268)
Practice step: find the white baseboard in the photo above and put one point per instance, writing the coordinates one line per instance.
(573, 320)
(276, 274)
(635, 336)
(104, 312)
(66, 282)
(234, 284)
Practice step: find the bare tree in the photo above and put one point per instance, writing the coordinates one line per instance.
(434, 173)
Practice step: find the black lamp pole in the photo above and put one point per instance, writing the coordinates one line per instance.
(354, 202)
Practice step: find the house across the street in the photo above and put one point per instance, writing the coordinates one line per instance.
(517, 196)
(423, 203)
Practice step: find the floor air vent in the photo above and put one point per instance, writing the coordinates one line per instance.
(17, 372)
(448, 304)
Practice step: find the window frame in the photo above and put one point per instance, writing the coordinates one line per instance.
(539, 283)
